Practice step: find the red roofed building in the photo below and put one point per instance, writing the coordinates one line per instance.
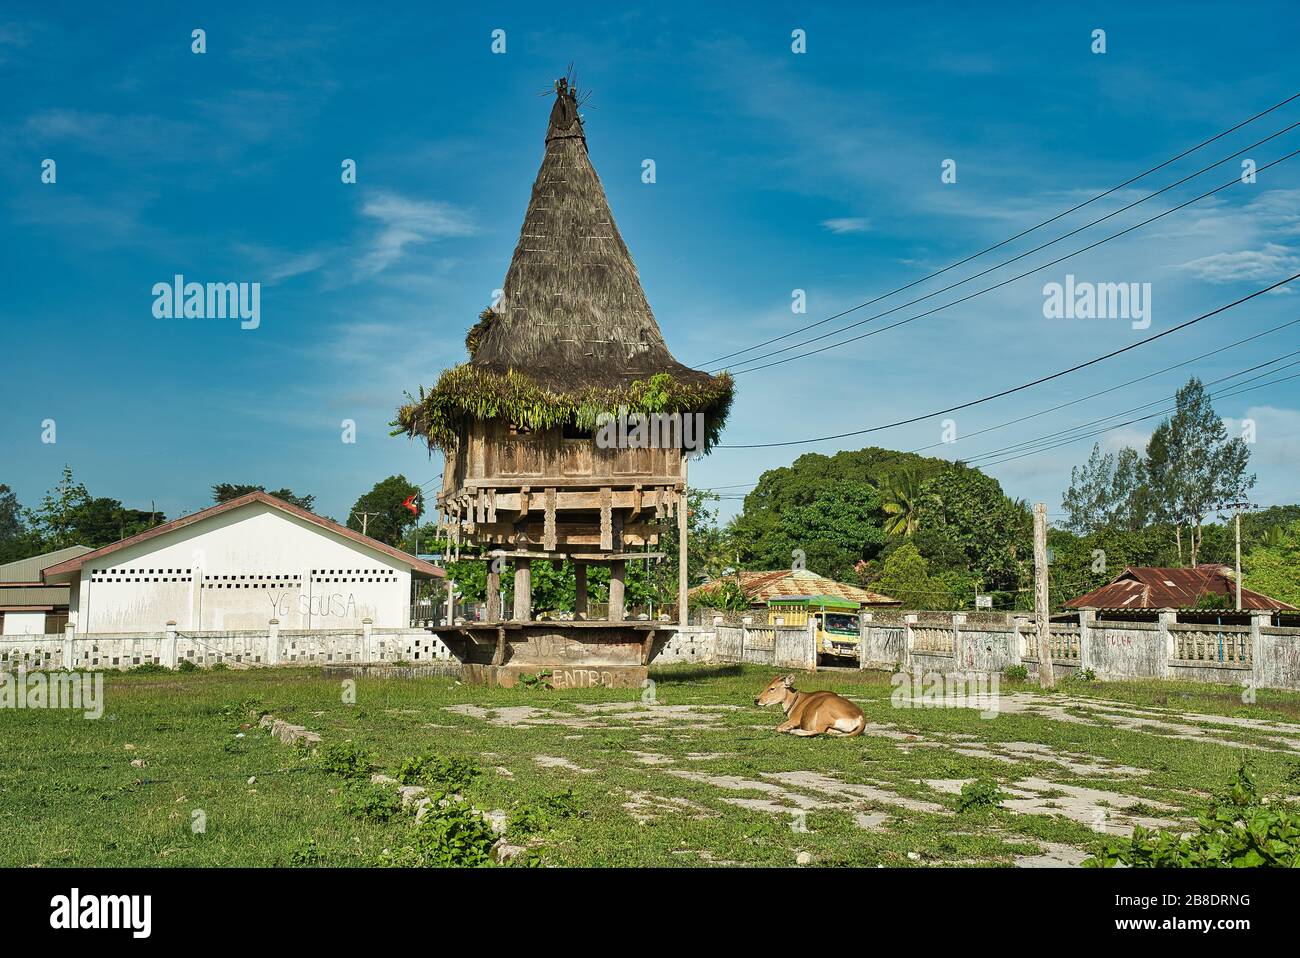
(1151, 589)
(759, 587)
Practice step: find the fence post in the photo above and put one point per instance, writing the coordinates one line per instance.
(367, 634)
(1257, 648)
(69, 646)
(169, 645)
(1086, 658)
(908, 620)
(273, 642)
(958, 653)
(1167, 619)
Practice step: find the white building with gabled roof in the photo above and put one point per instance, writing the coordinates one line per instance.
(238, 566)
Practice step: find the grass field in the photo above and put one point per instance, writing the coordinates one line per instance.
(599, 777)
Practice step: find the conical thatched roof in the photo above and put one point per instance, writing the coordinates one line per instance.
(573, 334)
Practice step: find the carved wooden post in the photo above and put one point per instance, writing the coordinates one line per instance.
(683, 612)
(579, 588)
(494, 613)
(617, 570)
(523, 590)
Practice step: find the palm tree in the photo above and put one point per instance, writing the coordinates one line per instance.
(902, 499)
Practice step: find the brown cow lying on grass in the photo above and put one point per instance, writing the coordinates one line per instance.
(812, 713)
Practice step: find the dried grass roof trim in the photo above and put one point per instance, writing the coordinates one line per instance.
(468, 392)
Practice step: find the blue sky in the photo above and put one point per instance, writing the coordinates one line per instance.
(775, 171)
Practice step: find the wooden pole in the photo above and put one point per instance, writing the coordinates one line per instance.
(580, 589)
(523, 590)
(1041, 597)
(682, 526)
(493, 593)
(617, 570)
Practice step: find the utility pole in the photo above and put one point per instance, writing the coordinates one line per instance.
(1041, 597)
(1236, 510)
(365, 520)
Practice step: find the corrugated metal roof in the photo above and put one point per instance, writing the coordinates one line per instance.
(1150, 587)
(29, 569)
(759, 587)
(33, 596)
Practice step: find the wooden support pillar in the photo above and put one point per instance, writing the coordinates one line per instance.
(682, 580)
(493, 592)
(579, 588)
(523, 591)
(617, 570)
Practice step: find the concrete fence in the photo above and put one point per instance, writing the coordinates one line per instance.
(782, 647)
(1259, 654)
(244, 649)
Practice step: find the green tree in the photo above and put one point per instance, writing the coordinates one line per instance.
(992, 531)
(100, 521)
(226, 491)
(54, 520)
(1274, 568)
(838, 528)
(1192, 465)
(901, 502)
(385, 518)
(907, 577)
(11, 515)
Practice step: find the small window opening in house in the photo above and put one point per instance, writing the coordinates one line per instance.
(572, 431)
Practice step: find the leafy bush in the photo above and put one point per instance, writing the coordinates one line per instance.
(542, 680)
(542, 815)
(305, 855)
(451, 835)
(435, 773)
(1016, 673)
(367, 800)
(148, 668)
(187, 665)
(979, 795)
(345, 759)
(1239, 830)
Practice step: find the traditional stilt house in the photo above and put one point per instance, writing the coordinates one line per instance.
(567, 432)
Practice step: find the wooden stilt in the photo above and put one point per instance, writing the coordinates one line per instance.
(617, 570)
(523, 590)
(580, 588)
(493, 593)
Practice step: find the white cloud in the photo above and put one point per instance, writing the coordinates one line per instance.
(847, 224)
(295, 266)
(403, 222)
(1272, 262)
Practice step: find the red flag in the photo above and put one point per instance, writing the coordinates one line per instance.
(409, 503)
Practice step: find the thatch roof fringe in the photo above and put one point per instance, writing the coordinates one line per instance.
(468, 392)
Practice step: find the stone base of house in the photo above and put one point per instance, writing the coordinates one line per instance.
(569, 654)
(557, 676)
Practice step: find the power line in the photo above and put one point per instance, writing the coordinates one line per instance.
(980, 292)
(1029, 252)
(1019, 235)
(1073, 402)
(1066, 442)
(1145, 406)
(1023, 386)
(1110, 389)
